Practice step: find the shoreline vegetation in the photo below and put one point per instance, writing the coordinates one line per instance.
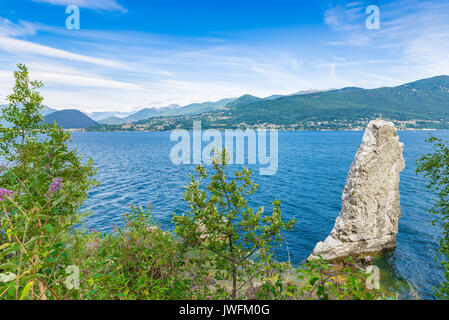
(318, 130)
(133, 127)
(220, 249)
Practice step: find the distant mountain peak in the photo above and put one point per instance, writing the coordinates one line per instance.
(172, 106)
(70, 119)
(442, 80)
(348, 89)
(242, 101)
(310, 91)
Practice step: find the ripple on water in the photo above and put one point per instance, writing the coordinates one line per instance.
(134, 169)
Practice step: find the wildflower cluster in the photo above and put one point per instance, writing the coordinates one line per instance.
(55, 186)
(4, 193)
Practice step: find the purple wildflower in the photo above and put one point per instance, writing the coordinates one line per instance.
(55, 186)
(4, 193)
(93, 245)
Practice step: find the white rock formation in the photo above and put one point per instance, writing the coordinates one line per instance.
(368, 221)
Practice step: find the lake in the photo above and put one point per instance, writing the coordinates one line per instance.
(134, 168)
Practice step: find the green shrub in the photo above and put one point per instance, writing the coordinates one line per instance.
(345, 281)
(43, 186)
(234, 240)
(139, 261)
(435, 167)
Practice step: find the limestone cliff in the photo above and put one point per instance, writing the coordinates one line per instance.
(368, 221)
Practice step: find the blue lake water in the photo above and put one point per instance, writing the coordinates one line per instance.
(134, 168)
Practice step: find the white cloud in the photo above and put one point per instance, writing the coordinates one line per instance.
(354, 4)
(9, 32)
(92, 81)
(10, 29)
(125, 70)
(27, 47)
(413, 36)
(101, 5)
(343, 17)
(340, 59)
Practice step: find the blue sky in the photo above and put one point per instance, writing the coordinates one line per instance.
(130, 54)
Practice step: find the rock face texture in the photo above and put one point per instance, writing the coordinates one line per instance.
(368, 221)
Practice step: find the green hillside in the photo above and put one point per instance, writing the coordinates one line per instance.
(197, 108)
(139, 115)
(420, 104)
(111, 121)
(425, 100)
(70, 119)
(243, 101)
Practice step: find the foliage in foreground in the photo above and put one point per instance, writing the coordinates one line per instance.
(43, 185)
(232, 238)
(139, 261)
(435, 167)
(222, 248)
(346, 281)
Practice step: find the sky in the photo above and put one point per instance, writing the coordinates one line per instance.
(132, 54)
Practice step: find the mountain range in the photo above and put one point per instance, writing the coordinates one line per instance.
(111, 118)
(194, 108)
(420, 104)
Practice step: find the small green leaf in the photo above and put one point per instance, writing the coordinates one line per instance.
(6, 266)
(25, 290)
(49, 228)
